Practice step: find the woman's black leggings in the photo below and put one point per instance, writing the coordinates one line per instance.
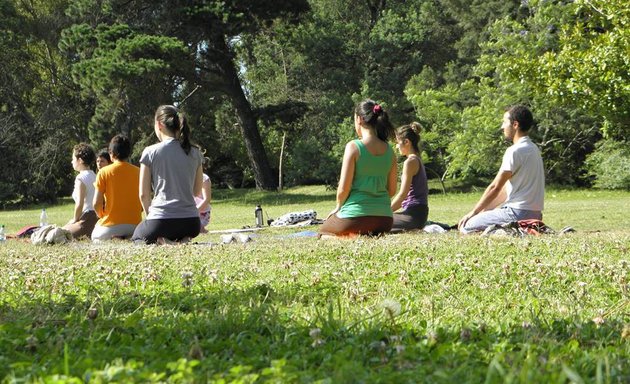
(171, 229)
(411, 218)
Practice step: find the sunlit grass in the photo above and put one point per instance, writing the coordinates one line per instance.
(586, 210)
(402, 308)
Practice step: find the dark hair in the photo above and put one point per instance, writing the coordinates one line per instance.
(104, 153)
(523, 115)
(376, 118)
(84, 152)
(120, 147)
(410, 132)
(175, 122)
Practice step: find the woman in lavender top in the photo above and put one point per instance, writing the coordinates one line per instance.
(413, 192)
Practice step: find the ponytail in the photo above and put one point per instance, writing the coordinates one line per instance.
(376, 118)
(175, 122)
(184, 134)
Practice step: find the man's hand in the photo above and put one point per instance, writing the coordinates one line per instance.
(464, 219)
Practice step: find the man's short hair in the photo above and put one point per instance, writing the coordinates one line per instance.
(120, 147)
(523, 115)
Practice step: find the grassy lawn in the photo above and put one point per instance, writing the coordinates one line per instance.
(402, 308)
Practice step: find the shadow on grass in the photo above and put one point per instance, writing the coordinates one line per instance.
(255, 197)
(234, 332)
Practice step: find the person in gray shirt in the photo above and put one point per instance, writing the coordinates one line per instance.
(172, 169)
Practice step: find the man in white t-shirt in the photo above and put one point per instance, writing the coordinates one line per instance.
(518, 190)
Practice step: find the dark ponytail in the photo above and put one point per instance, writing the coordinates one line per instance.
(375, 117)
(175, 122)
(184, 135)
(410, 132)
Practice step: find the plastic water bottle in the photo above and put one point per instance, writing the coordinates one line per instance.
(258, 212)
(3, 236)
(43, 218)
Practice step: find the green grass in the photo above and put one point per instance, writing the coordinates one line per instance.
(401, 308)
(585, 210)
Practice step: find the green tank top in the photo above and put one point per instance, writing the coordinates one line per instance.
(368, 195)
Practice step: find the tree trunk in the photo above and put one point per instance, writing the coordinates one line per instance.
(253, 143)
(247, 122)
(284, 138)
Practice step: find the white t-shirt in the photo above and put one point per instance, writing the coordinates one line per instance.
(87, 177)
(526, 188)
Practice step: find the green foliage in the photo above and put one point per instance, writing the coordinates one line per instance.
(590, 69)
(439, 113)
(564, 59)
(393, 52)
(342, 52)
(460, 120)
(130, 57)
(120, 68)
(83, 70)
(476, 149)
(534, 60)
(609, 164)
(40, 112)
(467, 23)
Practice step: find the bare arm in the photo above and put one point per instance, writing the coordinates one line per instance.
(99, 203)
(392, 178)
(206, 195)
(489, 197)
(498, 200)
(198, 181)
(410, 168)
(145, 188)
(347, 175)
(78, 206)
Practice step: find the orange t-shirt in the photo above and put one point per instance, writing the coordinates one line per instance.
(119, 183)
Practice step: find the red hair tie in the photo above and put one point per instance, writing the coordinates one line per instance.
(377, 109)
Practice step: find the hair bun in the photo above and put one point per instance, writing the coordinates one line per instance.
(416, 127)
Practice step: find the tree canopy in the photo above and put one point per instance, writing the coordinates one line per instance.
(254, 72)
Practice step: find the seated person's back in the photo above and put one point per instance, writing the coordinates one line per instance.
(117, 200)
(119, 182)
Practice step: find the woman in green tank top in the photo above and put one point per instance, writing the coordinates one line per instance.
(368, 177)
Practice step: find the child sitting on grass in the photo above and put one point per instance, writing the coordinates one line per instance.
(203, 203)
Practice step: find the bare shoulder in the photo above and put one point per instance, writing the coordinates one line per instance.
(351, 148)
(412, 164)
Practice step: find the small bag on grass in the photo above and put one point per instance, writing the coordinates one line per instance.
(51, 234)
(294, 218)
